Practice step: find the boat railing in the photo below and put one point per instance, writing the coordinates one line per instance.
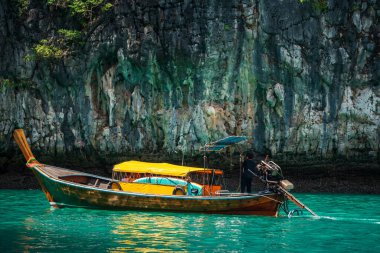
(235, 194)
(222, 192)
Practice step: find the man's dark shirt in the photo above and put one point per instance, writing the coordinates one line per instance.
(249, 165)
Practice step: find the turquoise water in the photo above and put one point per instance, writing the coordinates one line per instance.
(348, 223)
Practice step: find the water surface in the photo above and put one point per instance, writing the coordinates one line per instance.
(29, 224)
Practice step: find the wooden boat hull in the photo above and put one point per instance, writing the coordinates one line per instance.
(65, 193)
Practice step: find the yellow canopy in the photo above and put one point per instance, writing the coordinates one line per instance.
(166, 169)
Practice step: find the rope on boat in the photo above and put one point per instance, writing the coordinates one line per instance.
(285, 206)
(31, 160)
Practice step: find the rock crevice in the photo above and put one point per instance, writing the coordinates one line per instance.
(165, 76)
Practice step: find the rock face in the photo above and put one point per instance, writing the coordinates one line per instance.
(302, 79)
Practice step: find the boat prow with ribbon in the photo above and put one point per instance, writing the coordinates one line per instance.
(139, 185)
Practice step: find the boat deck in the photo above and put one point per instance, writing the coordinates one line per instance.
(76, 177)
(57, 172)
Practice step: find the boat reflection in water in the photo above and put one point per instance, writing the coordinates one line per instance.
(144, 232)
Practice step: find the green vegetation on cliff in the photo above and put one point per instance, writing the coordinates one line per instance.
(21, 5)
(58, 46)
(63, 41)
(86, 9)
(14, 83)
(320, 5)
(44, 50)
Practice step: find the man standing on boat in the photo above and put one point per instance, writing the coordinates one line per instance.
(249, 167)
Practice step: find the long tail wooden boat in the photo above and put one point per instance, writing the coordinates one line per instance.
(64, 187)
(70, 188)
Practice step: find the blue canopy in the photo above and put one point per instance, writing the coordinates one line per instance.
(225, 142)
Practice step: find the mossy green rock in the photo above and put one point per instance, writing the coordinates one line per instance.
(170, 76)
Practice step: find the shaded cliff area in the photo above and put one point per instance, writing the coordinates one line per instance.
(153, 80)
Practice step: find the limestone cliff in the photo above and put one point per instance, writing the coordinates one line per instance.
(299, 77)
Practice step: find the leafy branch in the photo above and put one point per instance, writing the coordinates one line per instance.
(57, 46)
(320, 5)
(85, 9)
(21, 6)
(13, 83)
(62, 42)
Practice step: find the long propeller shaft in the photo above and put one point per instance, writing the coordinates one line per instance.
(296, 201)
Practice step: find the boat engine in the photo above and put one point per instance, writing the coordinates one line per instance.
(271, 173)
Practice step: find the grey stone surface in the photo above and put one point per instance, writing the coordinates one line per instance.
(169, 76)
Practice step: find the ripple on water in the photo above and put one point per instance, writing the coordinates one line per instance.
(346, 223)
